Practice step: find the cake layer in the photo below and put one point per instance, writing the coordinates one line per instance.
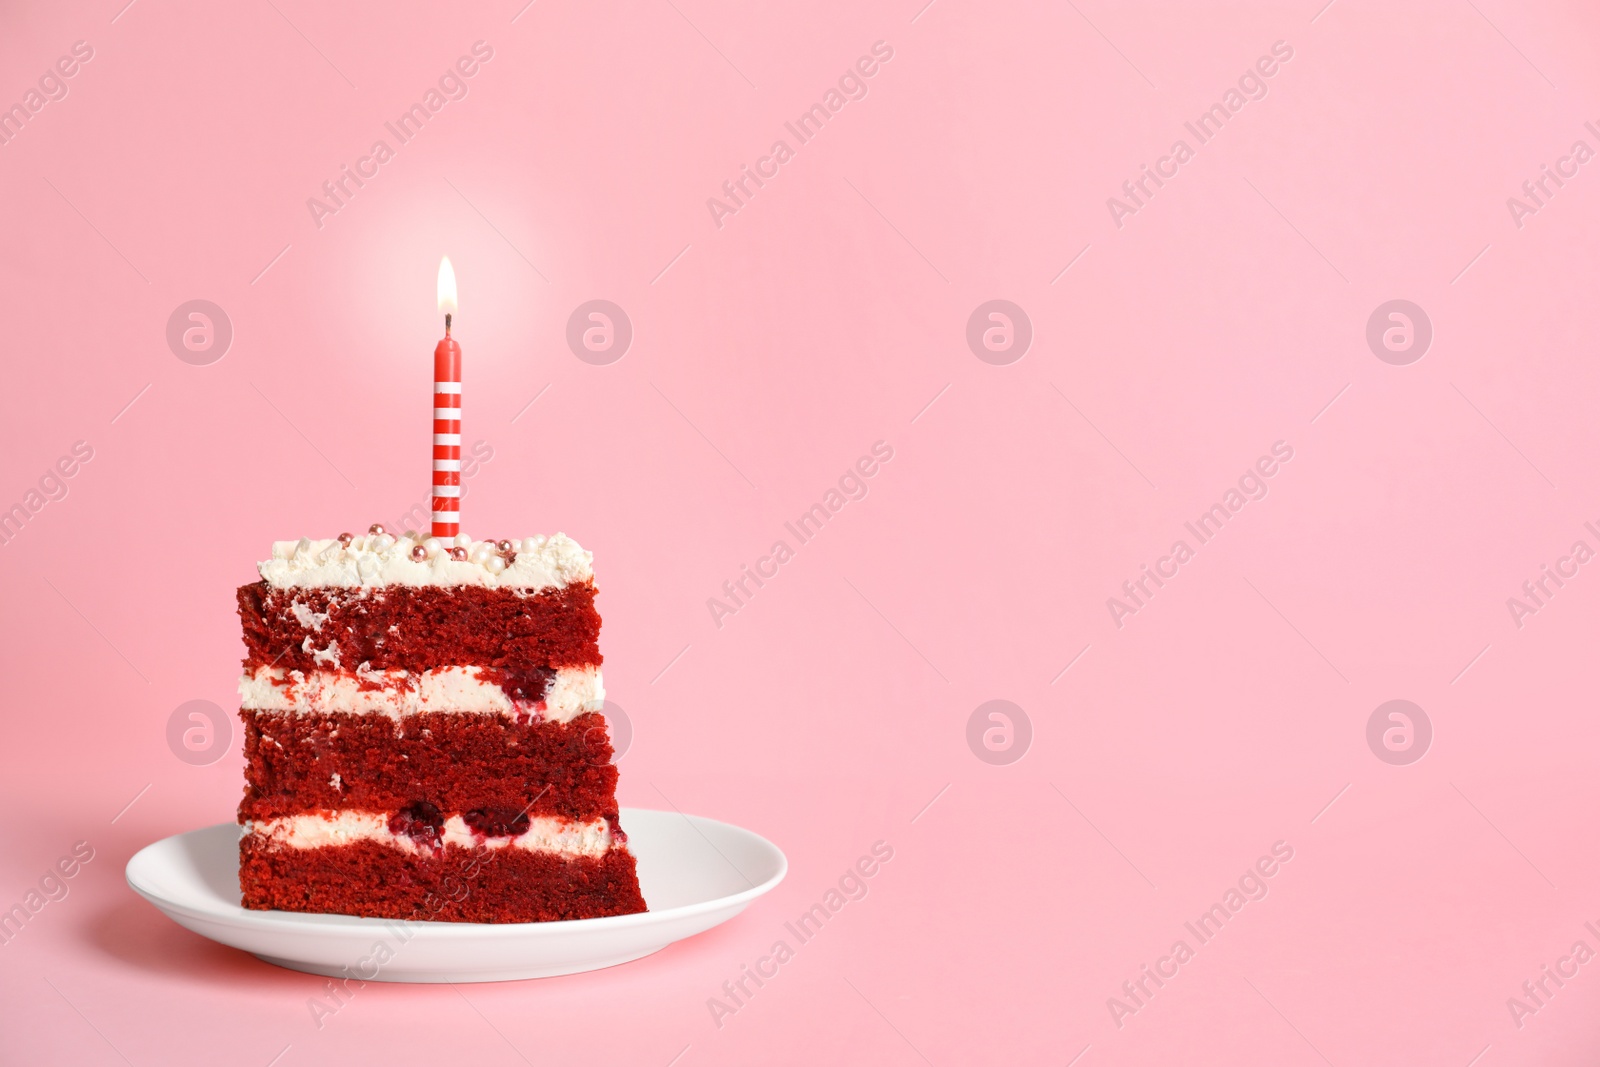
(460, 762)
(554, 695)
(424, 628)
(372, 560)
(452, 884)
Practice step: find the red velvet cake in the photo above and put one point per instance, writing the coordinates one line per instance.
(424, 736)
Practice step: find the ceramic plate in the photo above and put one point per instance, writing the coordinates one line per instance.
(694, 872)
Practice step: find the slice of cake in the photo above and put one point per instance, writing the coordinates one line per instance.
(424, 736)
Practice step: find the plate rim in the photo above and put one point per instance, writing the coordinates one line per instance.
(237, 914)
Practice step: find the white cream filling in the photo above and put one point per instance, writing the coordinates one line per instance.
(572, 692)
(379, 559)
(324, 829)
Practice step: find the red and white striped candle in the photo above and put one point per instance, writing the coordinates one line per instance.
(447, 416)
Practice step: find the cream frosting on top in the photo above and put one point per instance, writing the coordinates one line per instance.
(378, 559)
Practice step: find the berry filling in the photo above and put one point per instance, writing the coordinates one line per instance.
(496, 822)
(422, 822)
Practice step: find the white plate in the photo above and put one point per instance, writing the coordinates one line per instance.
(695, 873)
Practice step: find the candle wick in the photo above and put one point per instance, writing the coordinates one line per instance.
(447, 324)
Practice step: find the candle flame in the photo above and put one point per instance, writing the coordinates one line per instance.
(447, 285)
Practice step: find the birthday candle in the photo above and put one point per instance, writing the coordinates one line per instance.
(447, 416)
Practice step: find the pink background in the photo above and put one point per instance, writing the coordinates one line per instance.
(769, 354)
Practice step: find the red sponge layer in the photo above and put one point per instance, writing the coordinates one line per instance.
(419, 628)
(457, 762)
(504, 885)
